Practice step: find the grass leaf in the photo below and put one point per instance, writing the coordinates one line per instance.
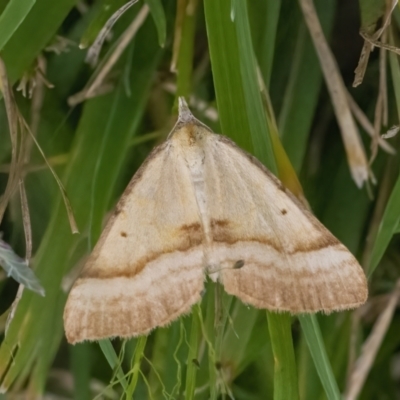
(387, 228)
(158, 14)
(285, 381)
(312, 333)
(17, 268)
(12, 17)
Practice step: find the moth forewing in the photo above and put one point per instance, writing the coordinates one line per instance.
(291, 261)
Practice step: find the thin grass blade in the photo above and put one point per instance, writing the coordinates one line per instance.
(18, 269)
(12, 17)
(312, 333)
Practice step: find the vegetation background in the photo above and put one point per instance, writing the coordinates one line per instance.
(252, 72)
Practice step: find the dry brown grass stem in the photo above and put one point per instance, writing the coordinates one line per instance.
(371, 346)
(354, 148)
(100, 77)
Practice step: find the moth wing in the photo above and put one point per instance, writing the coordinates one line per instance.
(147, 267)
(291, 261)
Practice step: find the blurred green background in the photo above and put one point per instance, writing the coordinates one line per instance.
(96, 125)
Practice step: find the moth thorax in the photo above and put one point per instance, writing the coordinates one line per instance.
(190, 135)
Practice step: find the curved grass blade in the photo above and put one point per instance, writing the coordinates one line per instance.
(257, 121)
(264, 18)
(34, 33)
(94, 50)
(103, 13)
(139, 353)
(184, 63)
(388, 227)
(312, 334)
(18, 268)
(285, 363)
(12, 17)
(113, 360)
(225, 57)
(158, 14)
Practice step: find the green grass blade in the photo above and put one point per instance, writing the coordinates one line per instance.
(51, 337)
(312, 334)
(345, 211)
(225, 61)
(12, 17)
(137, 360)
(184, 65)
(395, 71)
(208, 375)
(257, 120)
(34, 35)
(264, 17)
(169, 352)
(192, 366)
(158, 14)
(285, 380)
(113, 360)
(81, 357)
(302, 89)
(18, 268)
(99, 18)
(240, 344)
(388, 226)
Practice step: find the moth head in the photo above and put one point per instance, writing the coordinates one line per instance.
(188, 130)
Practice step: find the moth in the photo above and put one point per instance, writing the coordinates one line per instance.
(198, 206)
